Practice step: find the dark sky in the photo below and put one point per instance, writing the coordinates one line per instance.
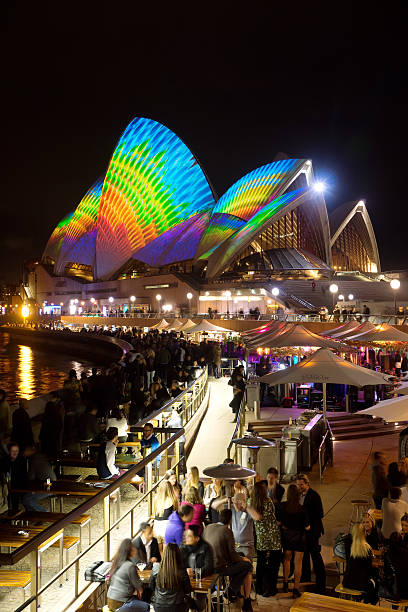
(238, 82)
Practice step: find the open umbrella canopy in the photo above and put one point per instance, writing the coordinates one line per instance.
(269, 327)
(296, 335)
(268, 338)
(342, 330)
(326, 367)
(206, 326)
(392, 410)
(187, 325)
(163, 324)
(175, 325)
(403, 388)
(379, 333)
(362, 328)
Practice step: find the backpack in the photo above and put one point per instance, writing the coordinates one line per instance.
(342, 545)
(98, 571)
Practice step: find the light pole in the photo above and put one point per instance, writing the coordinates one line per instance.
(132, 303)
(158, 298)
(395, 285)
(228, 295)
(333, 290)
(189, 297)
(275, 293)
(25, 311)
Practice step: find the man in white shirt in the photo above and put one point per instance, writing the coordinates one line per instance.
(106, 455)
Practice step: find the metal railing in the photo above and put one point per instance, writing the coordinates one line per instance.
(105, 496)
(188, 403)
(326, 454)
(239, 431)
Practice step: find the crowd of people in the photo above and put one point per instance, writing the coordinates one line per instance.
(194, 532)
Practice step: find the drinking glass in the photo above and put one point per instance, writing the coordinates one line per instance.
(198, 574)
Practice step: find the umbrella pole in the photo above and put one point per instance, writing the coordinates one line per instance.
(324, 404)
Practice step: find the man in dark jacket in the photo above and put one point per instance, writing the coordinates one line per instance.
(312, 502)
(13, 468)
(89, 427)
(146, 545)
(378, 478)
(227, 561)
(196, 552)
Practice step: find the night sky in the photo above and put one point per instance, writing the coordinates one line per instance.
(238, 82)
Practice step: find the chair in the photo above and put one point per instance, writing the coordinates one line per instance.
(12, 578)
(345, 593)
(358, 510)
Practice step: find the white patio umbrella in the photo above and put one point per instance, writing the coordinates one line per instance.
(175, 325)
(403, 388)
(187, 325)
(206, 326)
(326, 367)
(266, 328)
(163, 324)
(342, 330)
(392, 410)
(380, 333)
(296, 335)
(360, 329)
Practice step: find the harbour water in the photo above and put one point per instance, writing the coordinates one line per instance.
(27, 371)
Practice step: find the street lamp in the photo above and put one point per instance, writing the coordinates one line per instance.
(110, 299)
(189, 297)
(25, 311)
(158, 298)
(395, 285)
(228, 295)
(333, 290)
(351, 297)
(319, 186)
(341, 296)
(275, 293)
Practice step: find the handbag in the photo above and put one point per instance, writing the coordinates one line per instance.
(98, 571)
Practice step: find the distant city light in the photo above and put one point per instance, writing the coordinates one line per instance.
(319, 186)
(25, 311)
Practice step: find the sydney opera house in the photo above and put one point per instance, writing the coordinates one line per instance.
(153, 228)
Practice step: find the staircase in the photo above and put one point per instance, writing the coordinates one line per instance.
(344, 426)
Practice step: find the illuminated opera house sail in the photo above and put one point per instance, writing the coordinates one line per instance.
(155, 212)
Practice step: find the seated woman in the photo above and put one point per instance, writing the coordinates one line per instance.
(124, 581)
(105, 463)
(294, 522)
(117, 419)
(193, 480)
(192, 498)
(171, 585)
(147, 547)
(371, 532)
(359, 574)
(164, 505)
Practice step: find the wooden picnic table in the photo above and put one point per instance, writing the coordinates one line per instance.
(205, 585)
(31, 517)
(312, 602)
(81, 460)
(59, 487)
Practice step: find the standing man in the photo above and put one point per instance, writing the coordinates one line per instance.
(311, 501)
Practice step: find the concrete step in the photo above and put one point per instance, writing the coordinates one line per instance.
(368, 433)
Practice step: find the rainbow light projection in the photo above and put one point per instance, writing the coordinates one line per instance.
(244, 199)
(155, 205)
(153, 183)
(78, 243)
(240, 239)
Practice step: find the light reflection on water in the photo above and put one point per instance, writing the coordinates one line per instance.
(29, 371)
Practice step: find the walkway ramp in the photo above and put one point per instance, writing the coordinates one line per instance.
(215, 433)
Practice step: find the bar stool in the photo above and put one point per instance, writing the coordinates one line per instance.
(351, 594)
(359, 508)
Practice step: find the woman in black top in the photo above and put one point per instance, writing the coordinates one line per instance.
(395, 477)
(171, 585)
(294, 522)
(371, 532)
(359, 574)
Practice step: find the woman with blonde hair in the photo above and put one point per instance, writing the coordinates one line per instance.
(370, 531)
(164, 505)
(192, 498)
(193, 480)
(360, 574)
(171, 585)
(214, 490)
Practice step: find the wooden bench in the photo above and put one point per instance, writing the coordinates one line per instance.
(13, 578)
(51, 517)
(312, 602)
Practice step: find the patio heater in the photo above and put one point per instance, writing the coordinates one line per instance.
(253, 442)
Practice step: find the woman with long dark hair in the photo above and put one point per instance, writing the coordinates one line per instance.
(171, 585)
(294, 522)
(124, 581)
(268, 540)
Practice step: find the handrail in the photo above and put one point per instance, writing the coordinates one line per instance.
(329, 434)
(240, 424)
(165, 407)
(48, 532)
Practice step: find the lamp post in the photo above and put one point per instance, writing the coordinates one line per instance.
(132, 303)
(158, 298)
(333, 290)
(395, 285)
(189, 297)
(275, 293)
(228, 295)
(25, 311)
